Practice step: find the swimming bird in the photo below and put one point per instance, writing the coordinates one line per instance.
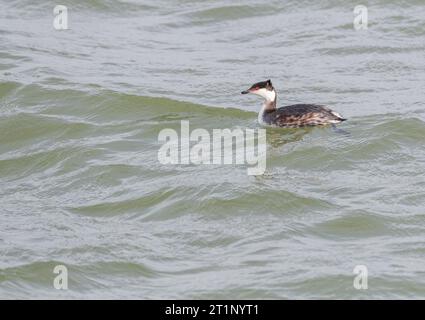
(293, 116)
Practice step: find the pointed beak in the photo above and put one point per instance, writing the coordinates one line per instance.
(245, 92)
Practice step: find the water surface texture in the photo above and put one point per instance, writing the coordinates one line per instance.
(81, 184)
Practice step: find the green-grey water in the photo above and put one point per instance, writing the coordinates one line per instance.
(81, 184)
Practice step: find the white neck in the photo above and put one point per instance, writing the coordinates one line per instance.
(261, 114)
(269, 103)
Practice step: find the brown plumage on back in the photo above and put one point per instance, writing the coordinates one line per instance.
(301, 115)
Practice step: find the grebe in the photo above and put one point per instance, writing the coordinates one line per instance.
(294, 116)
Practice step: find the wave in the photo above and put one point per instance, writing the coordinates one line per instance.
(117, 7)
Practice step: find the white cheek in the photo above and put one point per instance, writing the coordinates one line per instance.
(266, 94)
(261, 92)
